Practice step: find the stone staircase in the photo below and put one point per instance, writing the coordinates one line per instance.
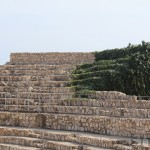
(38, 110)
(43, 138)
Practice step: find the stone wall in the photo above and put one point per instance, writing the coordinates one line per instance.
(101, 124)
(17, 119)
(96, 124)
(51, 58)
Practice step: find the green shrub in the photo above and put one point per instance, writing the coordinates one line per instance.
(126, 70)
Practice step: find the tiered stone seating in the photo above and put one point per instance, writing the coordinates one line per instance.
(43, 138)
(107, 107)
(38, 110)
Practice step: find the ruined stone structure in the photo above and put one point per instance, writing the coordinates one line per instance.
(38, 110)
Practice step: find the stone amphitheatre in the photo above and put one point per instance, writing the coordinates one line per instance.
(38, 109)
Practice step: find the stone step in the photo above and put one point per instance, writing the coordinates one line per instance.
(38, 89)
(39, 143)
(135, 127)
(35, 84)
(37, 67)
(35, 78)
(140, 147)
(82, 110)
(4, 146)
(108, 103)
(36, 96)
(69, 101)
(19, 147)
(122, 147)
(86, 140)
(34, 72)
(25, 101)
(33, 135)
(94, 148)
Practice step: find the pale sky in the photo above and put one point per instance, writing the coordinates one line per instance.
(71, 25)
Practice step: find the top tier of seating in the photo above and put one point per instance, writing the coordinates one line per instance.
(51, 58)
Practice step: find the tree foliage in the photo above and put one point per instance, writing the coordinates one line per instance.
(126, 70)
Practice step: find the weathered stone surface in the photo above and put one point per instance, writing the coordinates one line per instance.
(51, 58)
(47, 139)
(34, 94)
(96, 124)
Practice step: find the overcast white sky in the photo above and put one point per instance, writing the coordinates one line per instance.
(71, 25)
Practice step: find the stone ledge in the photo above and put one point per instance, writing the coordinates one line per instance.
(95, 124)
(92, 140)
(51, 58)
